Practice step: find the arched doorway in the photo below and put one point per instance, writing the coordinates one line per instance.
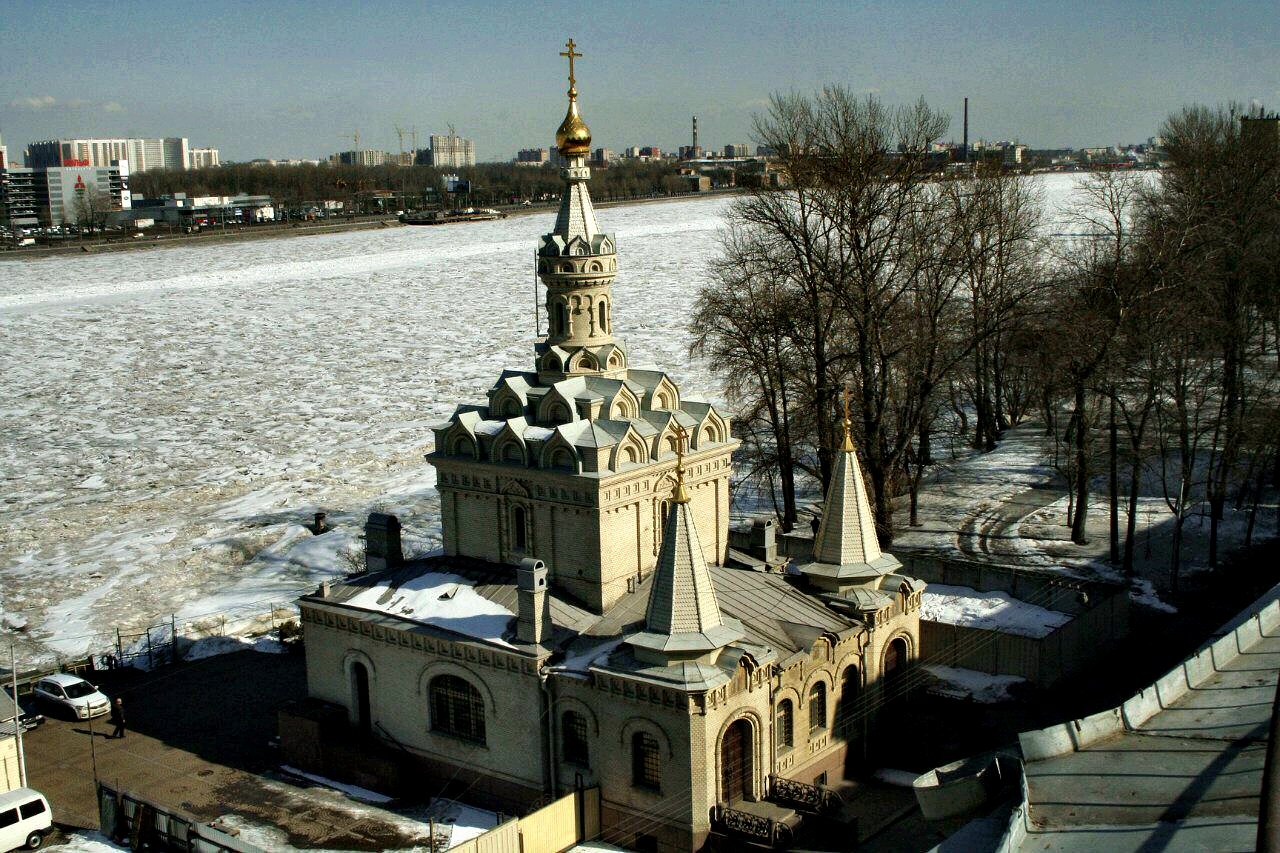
(360, 697)
(895, 660)
(735, 762)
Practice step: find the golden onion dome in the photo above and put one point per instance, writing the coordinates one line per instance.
(574, 137)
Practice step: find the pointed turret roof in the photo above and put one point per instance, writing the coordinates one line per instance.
(683, 617)
(577, 217)
(846, 545)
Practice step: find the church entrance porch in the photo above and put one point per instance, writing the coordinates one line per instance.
(736, 766)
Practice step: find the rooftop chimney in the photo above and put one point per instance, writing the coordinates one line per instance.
(382, 542)
(533, 616)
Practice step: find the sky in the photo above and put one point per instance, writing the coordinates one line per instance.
(282, 79)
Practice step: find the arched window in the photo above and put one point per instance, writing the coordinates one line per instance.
(518, 521)
(558, 414)
(603, 327)
(629, 453)
(646, 762)
(360, 687)
(846, 709)
(663, 509)
(511, 409)
(511, 452)
(784, 727)
(573, 741)
(457, 708)
(663, 401)
(562, 459)
(817, 707)
(562, 321)
(709, 434)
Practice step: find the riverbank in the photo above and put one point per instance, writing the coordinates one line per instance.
(290, 229)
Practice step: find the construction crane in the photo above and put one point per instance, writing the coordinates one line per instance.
(400, 136)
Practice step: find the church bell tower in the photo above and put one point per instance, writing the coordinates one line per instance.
(577, 263)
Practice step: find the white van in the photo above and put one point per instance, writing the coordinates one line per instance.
(25, 819)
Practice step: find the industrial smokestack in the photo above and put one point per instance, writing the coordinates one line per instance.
(695, 135)
(965, 148)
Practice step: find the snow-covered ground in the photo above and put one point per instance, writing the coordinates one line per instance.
(172, 417)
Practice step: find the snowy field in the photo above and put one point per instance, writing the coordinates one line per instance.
(171, 417)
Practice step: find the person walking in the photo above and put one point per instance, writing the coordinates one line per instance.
(117, 718)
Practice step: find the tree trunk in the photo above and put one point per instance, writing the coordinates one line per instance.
(1079, 533)
(1114, 485)
(926, 446)
(1131, 523)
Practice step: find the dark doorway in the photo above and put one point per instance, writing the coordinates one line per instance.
(895, 662)
(360, 687)
(735, 762)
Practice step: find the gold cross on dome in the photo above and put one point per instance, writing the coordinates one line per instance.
(848, 441)
(572, 56)
(682, 437)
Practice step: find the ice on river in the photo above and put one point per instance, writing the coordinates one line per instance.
(172, 417)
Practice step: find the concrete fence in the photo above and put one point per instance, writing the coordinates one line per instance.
(1100, 616)
(557, 826)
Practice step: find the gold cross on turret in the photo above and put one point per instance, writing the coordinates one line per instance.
(848, 440)
(679, 494)
(572, 55)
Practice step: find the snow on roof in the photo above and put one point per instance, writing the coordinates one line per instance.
(996, 610)
(537, 433)
(444, 600)
(490, 427)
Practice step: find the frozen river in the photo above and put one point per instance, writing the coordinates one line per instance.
(171, 417)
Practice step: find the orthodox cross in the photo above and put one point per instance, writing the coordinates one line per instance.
(679, 495)
(848, 442)
(572, 56)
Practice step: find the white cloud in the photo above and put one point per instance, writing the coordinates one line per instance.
(39, 102)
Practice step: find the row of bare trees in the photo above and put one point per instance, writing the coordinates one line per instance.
(950, 303)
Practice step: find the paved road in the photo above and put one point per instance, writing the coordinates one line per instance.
(199, 741)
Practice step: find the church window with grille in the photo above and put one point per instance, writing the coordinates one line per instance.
(817, 707)
(785, 725)
(645, 761)
(457, 708)
(574, 739)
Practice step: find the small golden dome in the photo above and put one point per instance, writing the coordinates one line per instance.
(574, 137)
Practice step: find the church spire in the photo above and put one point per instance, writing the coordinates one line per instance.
(683, 619)
(577, 263)
(846, 545)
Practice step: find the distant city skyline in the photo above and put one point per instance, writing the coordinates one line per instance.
(298, 79)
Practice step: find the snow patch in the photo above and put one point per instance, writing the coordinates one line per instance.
(353, 791)
(88, 842)
(1144, 592)
(979, 686)
(995, 610)
(208, 647)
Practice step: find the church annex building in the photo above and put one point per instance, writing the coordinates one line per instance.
(583, 626)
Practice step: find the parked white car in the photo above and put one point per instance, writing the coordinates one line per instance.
(25, 819)
(71, 693)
